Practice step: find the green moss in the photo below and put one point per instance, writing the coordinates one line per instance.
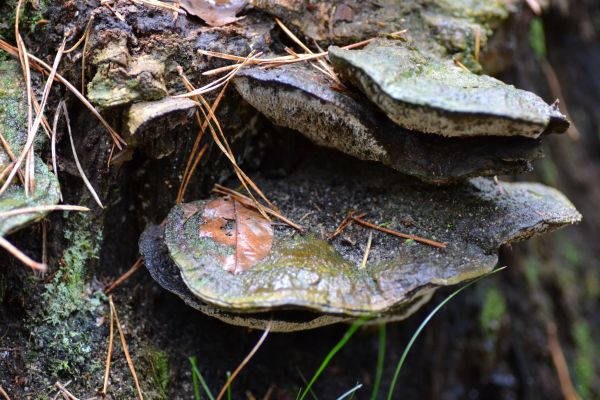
(155, 372)
(494, 309)
(549, 172)
(569, 251)
(31, 14)
(585, 353)
(532, 271)
(64, 325)
(537, 38)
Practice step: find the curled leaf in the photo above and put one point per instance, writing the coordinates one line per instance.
(214, 12)
(232, 224)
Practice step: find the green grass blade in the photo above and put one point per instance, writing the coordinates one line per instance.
(422, 326)
(350, 392)
(380, 362)
(196, 375)
(195, 379)
(229, 387)
(349, 333)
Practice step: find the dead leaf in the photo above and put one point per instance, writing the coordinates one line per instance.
(214, 12)
(230, 223)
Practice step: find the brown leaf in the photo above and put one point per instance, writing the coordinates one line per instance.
(229, 222)
(214, 12)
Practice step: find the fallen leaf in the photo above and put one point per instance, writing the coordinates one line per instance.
(230, 223)
(214, 12)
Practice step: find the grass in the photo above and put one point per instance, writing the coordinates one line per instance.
(380, 362)
(423, 325)
(347, 336)
(197, 380)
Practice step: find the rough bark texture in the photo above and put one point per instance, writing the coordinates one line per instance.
(491, 342)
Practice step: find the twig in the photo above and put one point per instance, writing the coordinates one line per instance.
(109, 352)
(4, 394)
(125, 350)
(363, 264)
(136, 265)
(400, 234)
(245, 361)
(35, 209)
(248, 202)
(18, 254)
(558, 358)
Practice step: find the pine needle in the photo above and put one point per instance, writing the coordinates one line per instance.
(109, 352)
(137, 265)
(83, 37)
(245, 361)
(41, 66)
(12, 156)
(79, 167)
(38, 209)
(328, 70)
(68, 395)
(19, 255)
(400, 234)
(363, 264)
(3, 393)
(125, 350)
(251, 203)
(53, 144)
(220, 139)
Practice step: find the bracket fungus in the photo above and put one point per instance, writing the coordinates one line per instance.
(407, 105)
(305, 271)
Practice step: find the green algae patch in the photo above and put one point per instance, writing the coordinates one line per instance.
(436, 96)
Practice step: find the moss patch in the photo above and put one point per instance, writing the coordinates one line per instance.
(494, 309)
(585, 353)
(65, 325)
